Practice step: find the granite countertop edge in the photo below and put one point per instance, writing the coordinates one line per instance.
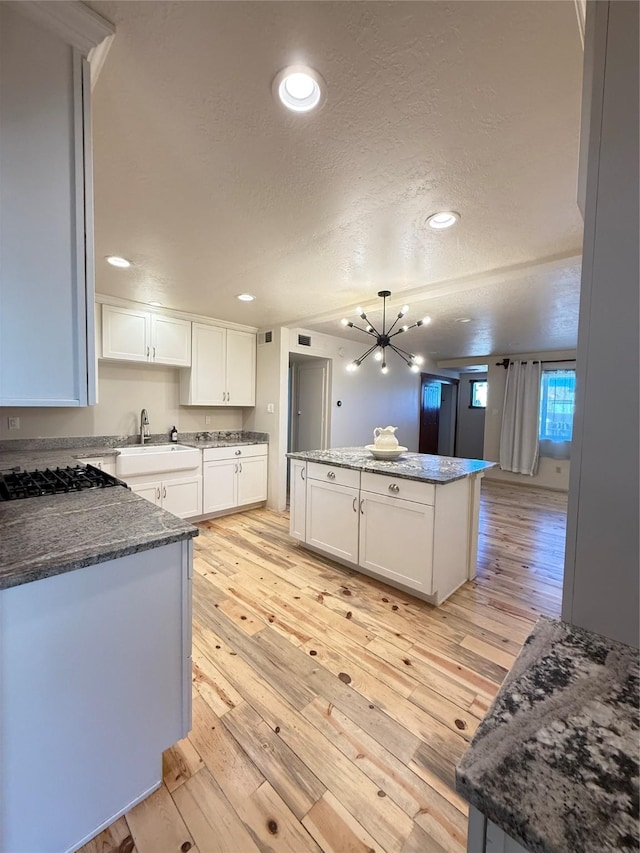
(360, 461)
(480, 776)
(89, 558)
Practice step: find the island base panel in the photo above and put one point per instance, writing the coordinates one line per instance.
(94, 686)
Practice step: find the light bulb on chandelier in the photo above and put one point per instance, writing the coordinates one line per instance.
(384, 338)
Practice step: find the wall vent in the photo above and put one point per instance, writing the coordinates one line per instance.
(265, 337)
(304, 340)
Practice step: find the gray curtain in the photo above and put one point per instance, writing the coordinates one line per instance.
(519, 444)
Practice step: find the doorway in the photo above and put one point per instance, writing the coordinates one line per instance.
(309, 378)
(438, 414)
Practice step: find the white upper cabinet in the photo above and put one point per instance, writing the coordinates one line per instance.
(223, 368)
(131, 334)
(46, 204)
(126, 334)
(241, 368)
(206, 384)
(170, 340)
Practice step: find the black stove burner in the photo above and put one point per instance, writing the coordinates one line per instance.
(33, 484)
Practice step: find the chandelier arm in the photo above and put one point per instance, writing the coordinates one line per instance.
(400, 353)
(367, 353)
(360, 329)
(403, 351)
(375, 331)
(392, 327)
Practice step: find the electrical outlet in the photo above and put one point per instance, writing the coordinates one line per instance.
(558, 469)
(271, 408)
(207, 420)
(13, 423)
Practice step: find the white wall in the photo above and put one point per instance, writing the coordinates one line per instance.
(548, 476)
(123, 389)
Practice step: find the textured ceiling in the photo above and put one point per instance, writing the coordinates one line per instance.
(212, 189)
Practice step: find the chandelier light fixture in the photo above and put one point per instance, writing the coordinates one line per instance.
(383, 339)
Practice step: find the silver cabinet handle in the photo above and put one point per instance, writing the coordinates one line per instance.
(158, 493)
(148, 351)
(331, 475)
(154, 352)
(238, 453)
(362, 507)
(228, 396)
(394, 487)
(355, 508)
(235, 468)
(164, 491)
(302, 473)
(241, 467)
(224, 396)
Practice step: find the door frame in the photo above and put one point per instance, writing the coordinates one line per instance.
(425, 379)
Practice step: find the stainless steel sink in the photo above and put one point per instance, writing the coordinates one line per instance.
(155, 459)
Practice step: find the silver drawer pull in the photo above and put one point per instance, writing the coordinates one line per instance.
(394, 487)
(238, 452)
(355, 501)
(302, 473)
(331, 475)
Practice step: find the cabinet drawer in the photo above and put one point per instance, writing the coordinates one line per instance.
(410, 490)
(332, 474)
(245, 451)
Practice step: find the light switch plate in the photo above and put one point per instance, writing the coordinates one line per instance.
(271, 408)
(13, 423)
(207, 420)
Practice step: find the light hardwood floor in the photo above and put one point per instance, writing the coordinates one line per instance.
(329, 710)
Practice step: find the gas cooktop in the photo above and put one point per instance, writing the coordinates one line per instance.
(58, 481)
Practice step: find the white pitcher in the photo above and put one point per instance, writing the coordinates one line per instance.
(384, 438)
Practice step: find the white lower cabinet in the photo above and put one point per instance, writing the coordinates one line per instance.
(332, 519)
(182, 496)
(234, 476)
(396, 540)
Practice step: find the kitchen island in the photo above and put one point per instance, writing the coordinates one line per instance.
(412, 522)
(95, 658)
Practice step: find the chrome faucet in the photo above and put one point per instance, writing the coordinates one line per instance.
(144, 426)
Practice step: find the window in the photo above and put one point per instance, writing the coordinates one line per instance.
(557, 400)
(478, 394)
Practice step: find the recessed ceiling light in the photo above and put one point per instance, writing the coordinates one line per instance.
(463, 319)
(445, 219)
(115, 261)
(155, 304)
(245, 297)
(299, 88)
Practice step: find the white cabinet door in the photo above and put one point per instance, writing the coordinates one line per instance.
(46, 239)
(205, 383)
(298, 499)
(332, 519)
(183, 497)
(126, 333)
(252, 480)
(151, 491)
(241, 368)
(220, 485)
(396, 540)
(170, 340)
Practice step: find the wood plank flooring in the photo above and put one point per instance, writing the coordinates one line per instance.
(329, 709)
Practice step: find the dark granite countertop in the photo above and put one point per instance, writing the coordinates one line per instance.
(555, 762)
(410, 466)
(45, 536)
